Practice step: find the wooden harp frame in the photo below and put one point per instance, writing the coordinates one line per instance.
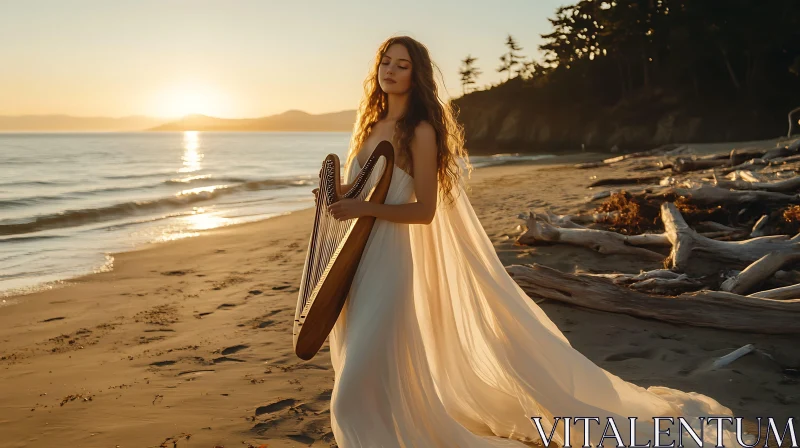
(314, 321)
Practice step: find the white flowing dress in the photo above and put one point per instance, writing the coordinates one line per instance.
(437, 346)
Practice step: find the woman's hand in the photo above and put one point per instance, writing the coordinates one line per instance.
(348, 209)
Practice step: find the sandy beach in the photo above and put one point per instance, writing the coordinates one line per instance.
(189, 343)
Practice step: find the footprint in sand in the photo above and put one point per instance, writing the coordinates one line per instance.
(234, 349)
(302, 438)
(163, 363)
(177, 273)
(276, 406)
(202, 315)
(222, 359)
(226, 306)
(53, 318)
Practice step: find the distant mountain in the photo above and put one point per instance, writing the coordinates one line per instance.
(197, 122)
(35, 123)
(292, 120)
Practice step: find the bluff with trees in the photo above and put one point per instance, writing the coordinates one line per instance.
(642, 73)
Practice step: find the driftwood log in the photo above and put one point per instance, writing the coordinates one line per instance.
(708, 195)
(712, 309)
(695, 254)
(745, 165)
(659, 281)
(760, 270)
(686, 164)
(541, 230)
(787, 292)
(760, 226)
(738, 156)
(791, 185)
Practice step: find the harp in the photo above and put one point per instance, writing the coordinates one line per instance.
(335, 248)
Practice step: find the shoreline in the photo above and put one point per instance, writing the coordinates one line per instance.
(12, 296)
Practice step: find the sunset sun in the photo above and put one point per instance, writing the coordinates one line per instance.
(189, 99)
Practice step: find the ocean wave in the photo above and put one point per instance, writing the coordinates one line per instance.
(32, 200)
(32, 183)
(142, 175)
(78, 217)
(71, 195)
(203, 179)
(27, 239)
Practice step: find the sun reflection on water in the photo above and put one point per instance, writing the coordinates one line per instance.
(200, 220)
(191, 155)
(191, 224)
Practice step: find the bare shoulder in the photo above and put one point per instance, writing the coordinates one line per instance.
(424, 140)
(425, 133)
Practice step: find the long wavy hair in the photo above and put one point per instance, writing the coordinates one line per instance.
(424, 105)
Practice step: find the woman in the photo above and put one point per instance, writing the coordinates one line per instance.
(437, 346)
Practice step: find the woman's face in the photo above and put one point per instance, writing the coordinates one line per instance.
(394, 73)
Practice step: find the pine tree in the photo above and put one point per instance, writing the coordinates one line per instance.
(511, 59)
(469, 73)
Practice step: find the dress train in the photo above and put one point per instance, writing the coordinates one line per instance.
(437, 346)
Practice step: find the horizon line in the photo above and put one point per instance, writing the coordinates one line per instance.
(170, 117)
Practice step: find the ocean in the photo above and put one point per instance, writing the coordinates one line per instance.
(70, 200)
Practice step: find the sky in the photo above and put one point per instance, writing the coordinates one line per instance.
(236, 58)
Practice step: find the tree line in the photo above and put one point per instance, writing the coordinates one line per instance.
(605, 51)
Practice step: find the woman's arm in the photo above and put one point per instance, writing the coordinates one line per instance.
(423, 153)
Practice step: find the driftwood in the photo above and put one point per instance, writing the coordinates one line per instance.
(540, 230)
(686, 164)
(783, 186)
(788, 277)
(787, 292)
(748, 175)
(626, 279)
(723, 361)
(759, 271)
(780, 161)
(755, 182)
(670, 286)
(760, 225)
(625, 181)
(713, 309)
(670, 149)
(693, 253)
(661, 150)
(748, 164)
(738, 156)
(716, 196)
(783, 151)
(659, 281)
(571, 221)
